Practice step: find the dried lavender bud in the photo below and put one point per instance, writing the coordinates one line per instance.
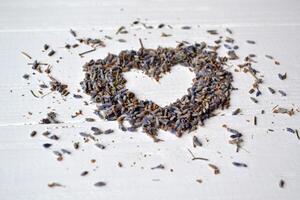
(47, 145)
(199, 180)
(122, 28)
(161, 25)
(68, 46)
(196, 142)
(232, 55)
(238, 164)
(51, 119)
(77, 96)
(281, 183)
(108, 37)
(76, 145)
(26, 76)
(94, 43)
(46, 133)
(236, 136)
(165, 34)
(73, 33)
(271, 90)
(282, 93)
(215, 168)
(229, 40)
(270, 57)
(237, 111)
(33, 133)
(57, 153)
(100, 146)
(43, 86)
(35, 65)
(100, 184)
(229, 30)
(258, 93)
(96, 131)
(251, 91)
(54, 184)
(282, 76)
(65, 151)
(235, 47)
(51, 53)
(46, 47)
(297, 134)
(120, 164)
(235, 132)
(121, 40)
(186, 27)
(290, 130)
(227, 46)
(250, 42)
(212, 32)
(84, 173)
(88, 119)
(54, 137)
(84, 134)
(108, 131)
(254, 100)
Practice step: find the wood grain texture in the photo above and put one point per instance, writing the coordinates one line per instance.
(26, 167)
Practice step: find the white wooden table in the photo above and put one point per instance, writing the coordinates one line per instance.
(26, 167)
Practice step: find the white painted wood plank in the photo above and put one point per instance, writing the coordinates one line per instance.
(61, 14)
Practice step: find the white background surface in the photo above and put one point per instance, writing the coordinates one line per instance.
(26, 167)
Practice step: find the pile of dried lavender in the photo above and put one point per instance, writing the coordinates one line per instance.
(211, 87)
(105, 83)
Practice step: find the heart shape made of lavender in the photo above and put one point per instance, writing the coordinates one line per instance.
(210, 90)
